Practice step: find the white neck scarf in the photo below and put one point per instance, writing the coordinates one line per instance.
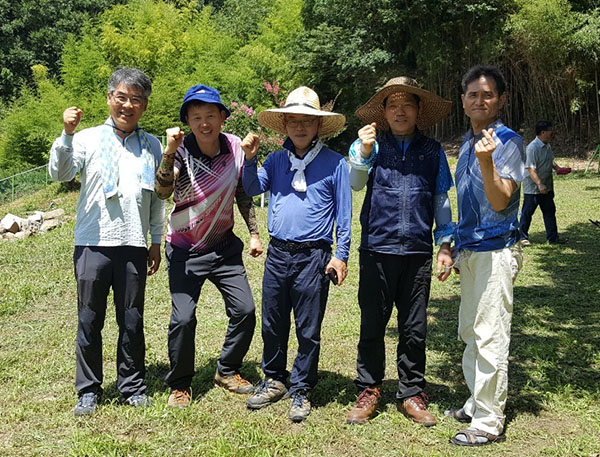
(299, 180)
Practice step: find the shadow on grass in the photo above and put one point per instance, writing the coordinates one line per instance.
(555, 340)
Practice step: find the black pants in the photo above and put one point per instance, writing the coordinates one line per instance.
(546, 204)
(294, 281)
(387, 280)
(97, 269)
(226, 271)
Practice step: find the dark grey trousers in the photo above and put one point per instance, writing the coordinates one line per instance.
(187, 274)
(97, 269)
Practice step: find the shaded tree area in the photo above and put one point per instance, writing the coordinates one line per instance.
(547, 49)
(33, 32)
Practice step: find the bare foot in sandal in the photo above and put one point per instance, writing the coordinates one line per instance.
(459, 415)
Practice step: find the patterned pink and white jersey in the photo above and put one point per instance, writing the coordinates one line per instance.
(204, 192)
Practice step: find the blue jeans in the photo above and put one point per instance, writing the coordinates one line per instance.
(546, 204)
(294, 281)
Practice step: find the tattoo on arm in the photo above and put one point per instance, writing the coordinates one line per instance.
(165, 178)
(245, 205)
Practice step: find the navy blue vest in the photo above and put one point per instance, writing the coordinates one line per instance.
(397, 214)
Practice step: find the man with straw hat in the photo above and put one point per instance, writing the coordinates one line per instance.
(407, 178)
(310, 189)
(203, 172)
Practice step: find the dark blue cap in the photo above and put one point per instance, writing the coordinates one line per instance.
(201, 93)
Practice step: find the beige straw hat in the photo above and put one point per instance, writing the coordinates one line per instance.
(302, 100)
(433, 107)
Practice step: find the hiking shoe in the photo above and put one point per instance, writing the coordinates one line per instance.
(139, 401)
(180, 398)
(300, 407)
(233, 383)
(415, 408)
(86, 404)
(268, 392)
(525, 242)
(366, 406)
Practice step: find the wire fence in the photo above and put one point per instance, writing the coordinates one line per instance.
(26, 182)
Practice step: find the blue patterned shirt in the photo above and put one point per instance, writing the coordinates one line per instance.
(480, 227)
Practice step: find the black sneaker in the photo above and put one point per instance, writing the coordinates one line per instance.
(300, 407)
(268, 392)
(559, 241)
(86, 404)
(139, 401)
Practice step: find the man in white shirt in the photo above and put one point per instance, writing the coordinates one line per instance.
(117, 208)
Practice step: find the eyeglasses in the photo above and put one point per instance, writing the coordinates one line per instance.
(295, 123)
(122, 99)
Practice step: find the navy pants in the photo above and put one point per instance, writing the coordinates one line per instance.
(294, 281)
(387, 280)
(546, 204)
(97, 269)
(187, 274)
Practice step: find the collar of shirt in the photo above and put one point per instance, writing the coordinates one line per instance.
(494, 125)
(191, 145)
(288, 144)
(539, 143)
(111, 123)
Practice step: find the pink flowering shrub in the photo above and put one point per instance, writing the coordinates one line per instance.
(243, 120)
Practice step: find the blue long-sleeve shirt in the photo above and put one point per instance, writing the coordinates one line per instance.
(305, 216)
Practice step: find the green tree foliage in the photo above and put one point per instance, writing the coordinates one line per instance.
(177, 44)
(356, 46)
(34, 32)
(31, 124)
(553, 53)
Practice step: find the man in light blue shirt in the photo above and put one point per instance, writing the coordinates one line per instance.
(117, 208)
(309, 191)
(538, 187)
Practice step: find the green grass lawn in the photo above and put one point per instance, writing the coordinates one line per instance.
(554, 376)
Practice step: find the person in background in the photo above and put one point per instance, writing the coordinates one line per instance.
(538, 187)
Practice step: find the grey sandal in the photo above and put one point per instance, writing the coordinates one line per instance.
(471, 435)
(459, 415)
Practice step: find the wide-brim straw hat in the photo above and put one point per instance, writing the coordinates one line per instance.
(433, 107)
(302, 100)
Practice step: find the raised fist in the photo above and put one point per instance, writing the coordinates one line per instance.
(250, 145)
(367, 136)
(174, 138)
(71, 119)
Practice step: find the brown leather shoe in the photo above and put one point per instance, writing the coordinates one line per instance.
(366, 406)
(415, 408)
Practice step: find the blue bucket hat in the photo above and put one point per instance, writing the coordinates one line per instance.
(201, 93)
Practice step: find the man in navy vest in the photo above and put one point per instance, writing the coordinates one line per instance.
(407, 178)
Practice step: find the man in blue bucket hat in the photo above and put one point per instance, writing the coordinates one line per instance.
(203, 172)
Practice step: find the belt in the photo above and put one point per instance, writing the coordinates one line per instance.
(293, 246)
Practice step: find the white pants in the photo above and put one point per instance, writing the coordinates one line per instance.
(486, 306)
